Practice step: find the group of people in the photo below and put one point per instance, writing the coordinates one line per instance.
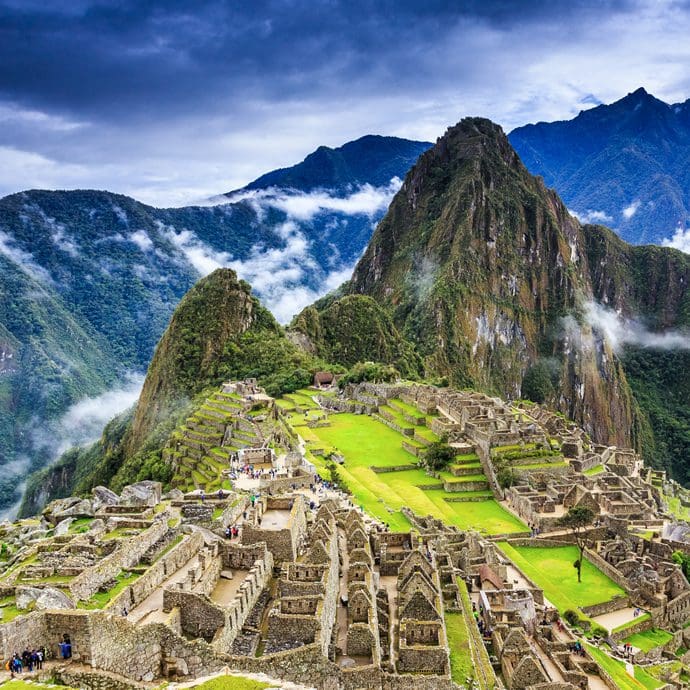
(534, 530)
(628, 649)
(577, 648)
(28, 661)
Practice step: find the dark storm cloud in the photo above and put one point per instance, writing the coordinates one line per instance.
(168, 100)
(141, 58)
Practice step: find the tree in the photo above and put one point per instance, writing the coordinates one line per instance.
(439, 455)
(577, 520)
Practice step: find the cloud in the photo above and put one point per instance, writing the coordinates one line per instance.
(83, 422)
(169, 103)
(24, 260)
(630, 211)
(366, 200)
(62, 241)
(204, 258)
(680, 240)
(620, 331)
(141, 239)
(592, 216)
(278, 275)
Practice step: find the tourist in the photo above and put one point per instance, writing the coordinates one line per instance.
(40, 657)
(202, 495)
(228, 532)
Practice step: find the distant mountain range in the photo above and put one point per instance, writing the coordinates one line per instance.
(624, 165)
(89, 279)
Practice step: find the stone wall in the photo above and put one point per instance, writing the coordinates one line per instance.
(159, 572)
(596, 560)
(127, 555)
(25, 632)
(199, 617)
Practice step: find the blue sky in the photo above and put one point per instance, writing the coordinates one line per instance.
(172, 102)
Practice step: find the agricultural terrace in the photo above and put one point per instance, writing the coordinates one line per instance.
(551, 568)
(367, 443)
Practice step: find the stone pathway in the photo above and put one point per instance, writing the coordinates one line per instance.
(615, 618)
(150, 609)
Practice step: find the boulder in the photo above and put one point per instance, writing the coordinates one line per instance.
(174, 495)
(62, 527)
(97, 526)
(145, 493)
(102, 496)
(42, 599)
(74, 506)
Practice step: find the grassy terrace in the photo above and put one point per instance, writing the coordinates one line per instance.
(365, 443)
(231, 683)
(551, 568)
(461, 664)
(616, 669)
(648, 640)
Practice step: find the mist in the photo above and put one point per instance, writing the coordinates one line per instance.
(620, 331)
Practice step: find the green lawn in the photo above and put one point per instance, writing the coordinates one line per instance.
(366, 442)
(18, 684)
(461, 664)
(552, 569)
(616, 669)
(593, 471)
(231, 683)
(646, 641)
(102, 599)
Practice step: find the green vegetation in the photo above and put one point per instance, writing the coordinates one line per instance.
(461, 664)
(438, 455)
(616, 669)
(539, 381)
(577, 520)
(593, 471)
(102, 599)
(231, 683)
(366, 443)
(646, 641)
(357, 329)
(551, 568)
(631, 623)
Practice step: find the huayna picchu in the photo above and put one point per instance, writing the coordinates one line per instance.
(443, 475)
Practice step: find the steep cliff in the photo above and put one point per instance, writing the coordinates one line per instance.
(484, 269)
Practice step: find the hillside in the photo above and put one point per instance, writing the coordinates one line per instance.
(218, 331)
(484, 270)
(625, 164)
(111, 270)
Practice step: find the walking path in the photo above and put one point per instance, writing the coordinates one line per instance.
(615, 618)
(151, 609)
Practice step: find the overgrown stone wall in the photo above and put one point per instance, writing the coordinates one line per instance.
(159, 572)
(127, 555)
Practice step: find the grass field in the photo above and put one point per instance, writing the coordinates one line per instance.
(648, 640)
(366, 442)
(231, 683)
(616, 669)
(552, 569)
(461, 664)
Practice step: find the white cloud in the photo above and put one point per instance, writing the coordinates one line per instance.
(680, 240)
(23, 259)
(205, 259)
(62, 241)
(592, 216)
(620, 331)
(141, 239)
(366, 200)
(84, 421)
(630, 211)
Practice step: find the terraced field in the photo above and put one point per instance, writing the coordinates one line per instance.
(369, 446)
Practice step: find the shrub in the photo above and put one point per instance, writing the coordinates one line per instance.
(438, 455)
(571, 616)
